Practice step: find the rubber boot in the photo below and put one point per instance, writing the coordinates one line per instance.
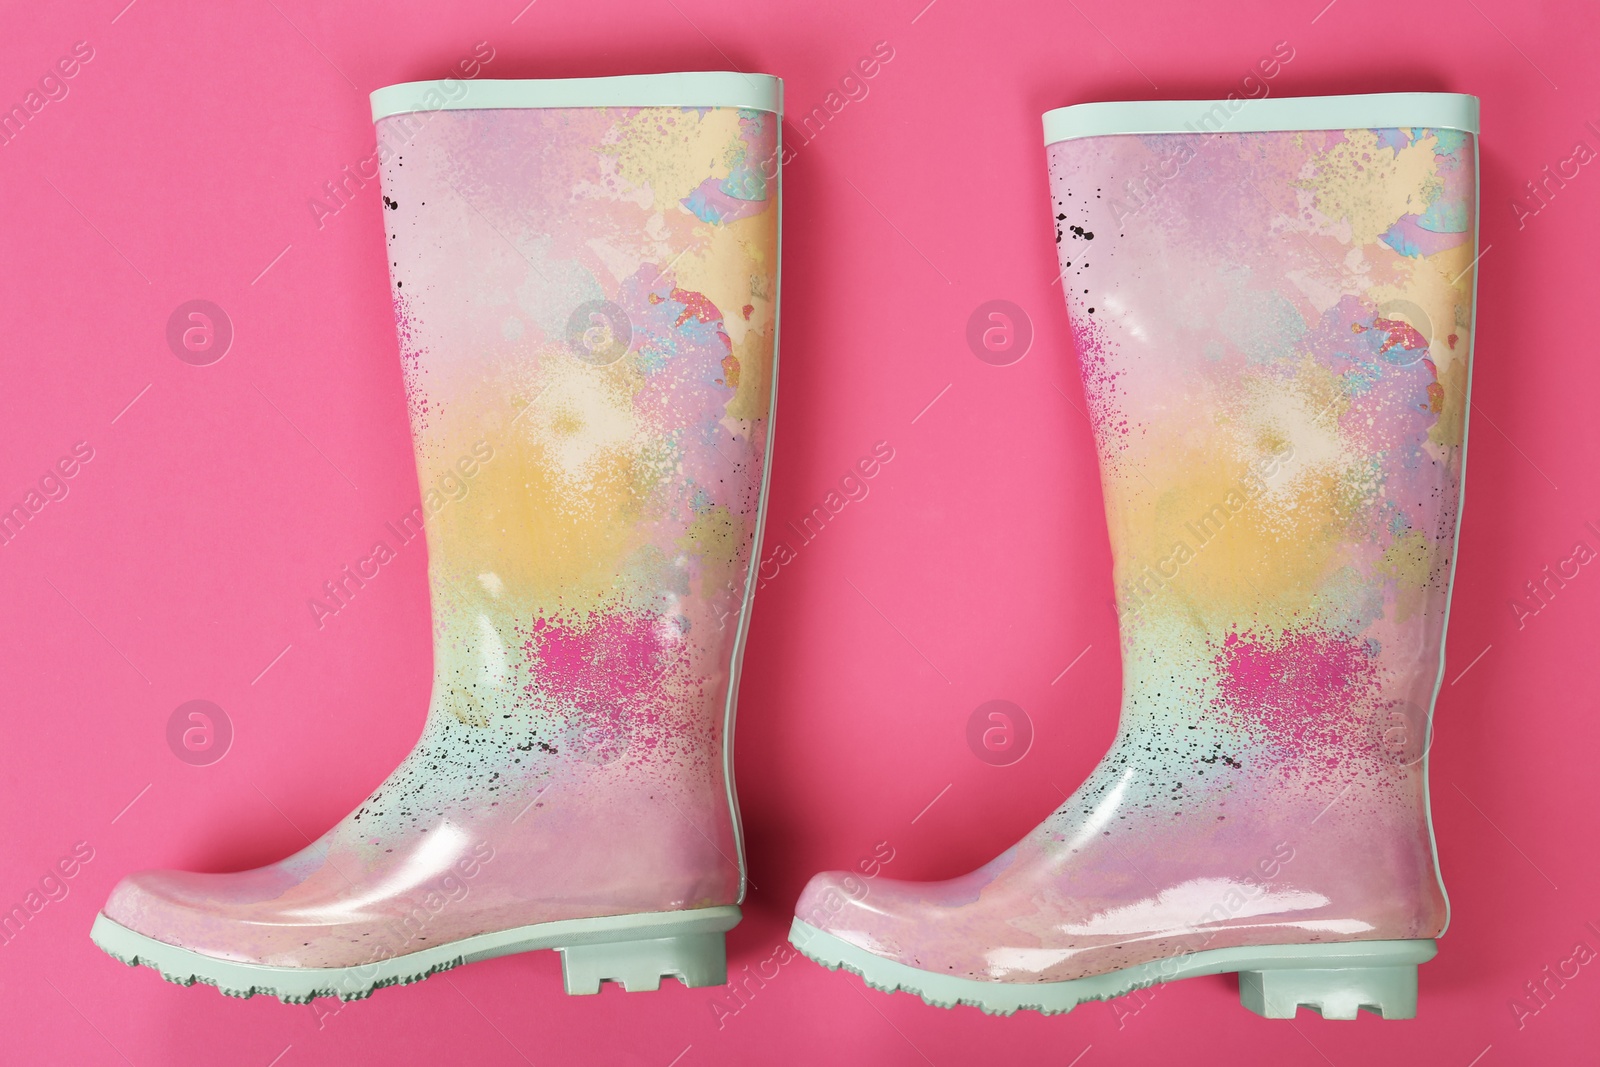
(585, 278)
(1272, 305)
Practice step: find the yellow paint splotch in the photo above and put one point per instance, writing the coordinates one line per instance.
(1371, 187)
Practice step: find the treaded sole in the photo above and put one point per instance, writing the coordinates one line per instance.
(1336, 980)
(684, 944)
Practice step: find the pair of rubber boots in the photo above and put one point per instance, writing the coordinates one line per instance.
(1272, 305)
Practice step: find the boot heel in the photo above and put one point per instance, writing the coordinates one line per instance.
(694, 959)
(1337, 993)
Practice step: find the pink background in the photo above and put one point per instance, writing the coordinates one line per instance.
(180, 165)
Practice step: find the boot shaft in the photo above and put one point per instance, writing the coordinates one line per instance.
(586, 298)
(587, 335)
(1274, 327)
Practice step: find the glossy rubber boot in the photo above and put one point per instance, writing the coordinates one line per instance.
(1273, 318)
(585, 278)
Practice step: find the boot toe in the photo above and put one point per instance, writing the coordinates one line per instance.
(880, 915)
(191, 910)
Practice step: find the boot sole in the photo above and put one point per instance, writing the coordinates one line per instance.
(635, 951)
(1335, 980)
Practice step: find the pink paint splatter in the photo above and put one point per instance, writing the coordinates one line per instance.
(1398, 331)
(412, 366)
(1100, 387)
(696, 306)
(624, 672)
(1309, 691)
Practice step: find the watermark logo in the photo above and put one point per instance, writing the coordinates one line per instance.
(1539, 992)
(51, 88)
(453, 485)
(999, 332)
(1143, 189)
(598, 332)
(199, 733)
(1405, 733)
(52, 888)
(52, 487)
(1542, 190)
(395, 132)
(999, 732)
(852, 486)
(853, 87)
(1542, 590)
(199, 332)
(414, 925)
(1238, 898)
(743, 988)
